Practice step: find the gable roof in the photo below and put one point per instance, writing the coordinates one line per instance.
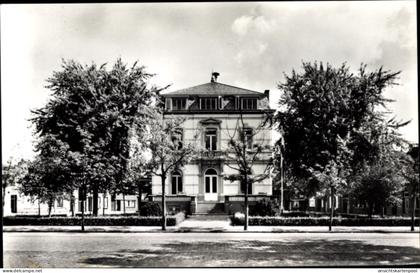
(212, 89)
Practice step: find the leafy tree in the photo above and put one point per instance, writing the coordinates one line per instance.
(380, 177)
(328, 117)
(166, 154)
(242, 154)
(12, 174)
(410, 171)
(47, 175)
(92, 110)
(137, 173)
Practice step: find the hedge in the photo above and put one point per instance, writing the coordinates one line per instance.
(94, 221)
(323, 221)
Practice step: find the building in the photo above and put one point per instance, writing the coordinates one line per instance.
(17, 204)
(212, 110)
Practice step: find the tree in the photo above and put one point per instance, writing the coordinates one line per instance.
(379, 177)
(324, 107)
(47, 175)
(12, 174)
(166, 153)
(334, 176)
(92, 110)
(137, 170)
(411, 174)
(242, 154)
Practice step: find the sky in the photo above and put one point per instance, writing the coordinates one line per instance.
(252, 45)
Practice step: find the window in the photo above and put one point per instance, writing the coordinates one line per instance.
(243, 187)
(90, 203)
(208, 104)
(249, 103)
(131, 203)
(178, 103)
(177, 139)
(13, 203)
(176, 182)
(117, 205)
(248, 138)
(211, 139)
(80, 205)
(105, 202)
(60, 202)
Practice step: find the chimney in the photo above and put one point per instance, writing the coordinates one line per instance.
(267, 94)
(214, 76)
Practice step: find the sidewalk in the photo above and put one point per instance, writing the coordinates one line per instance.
(216, 228)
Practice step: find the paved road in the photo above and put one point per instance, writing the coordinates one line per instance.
(208, 249)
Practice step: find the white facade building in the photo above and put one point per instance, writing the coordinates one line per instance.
(213, 111)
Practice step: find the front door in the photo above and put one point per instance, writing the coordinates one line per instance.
(210, 185)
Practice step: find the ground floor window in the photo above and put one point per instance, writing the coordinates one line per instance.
(13, 203)
(90, 203)
(131, 204)
(105, 202)
(176, 182)
(60, 202)
(243, 188)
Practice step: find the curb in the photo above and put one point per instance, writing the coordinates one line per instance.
(208, 231)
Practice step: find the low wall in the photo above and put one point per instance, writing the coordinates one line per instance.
(236, 203)
(174, 204)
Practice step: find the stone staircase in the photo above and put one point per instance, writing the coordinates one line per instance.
(204, 207)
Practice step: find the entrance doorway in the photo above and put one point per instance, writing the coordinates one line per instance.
(210, 185)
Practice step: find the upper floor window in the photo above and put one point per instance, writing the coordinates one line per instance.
(208, 103)
(248, 137)
(178, 103)
(177, 139)
(249, 103)
(211, 139)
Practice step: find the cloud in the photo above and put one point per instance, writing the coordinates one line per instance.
(247, 23)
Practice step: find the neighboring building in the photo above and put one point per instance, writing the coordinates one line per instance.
(16, 203)
(213, 110)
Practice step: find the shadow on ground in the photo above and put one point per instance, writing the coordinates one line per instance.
(248, 253)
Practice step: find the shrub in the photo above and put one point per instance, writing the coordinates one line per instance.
(151, 209)
(94, 221)
(323, 221)
(263, 207)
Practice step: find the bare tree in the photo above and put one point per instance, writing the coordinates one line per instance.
(167, 151)
(242, 154)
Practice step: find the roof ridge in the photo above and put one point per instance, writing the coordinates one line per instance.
(240, 88)
(212, 84)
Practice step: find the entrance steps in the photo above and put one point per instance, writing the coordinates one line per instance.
(210, 208)
(205, 223)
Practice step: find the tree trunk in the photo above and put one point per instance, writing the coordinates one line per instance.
(163, 178)
(123, 204)
(39, 207)
(413, 210)
(103, 203)
(50, 203)
(4, 194)
(139, 199)
(281, 188)
(95, 202)
(83, 208)
(332, 209)
(383, 211)
(370, 209)
(246, 205)
(72, 204)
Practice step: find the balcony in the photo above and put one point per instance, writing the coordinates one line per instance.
(212, 155)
